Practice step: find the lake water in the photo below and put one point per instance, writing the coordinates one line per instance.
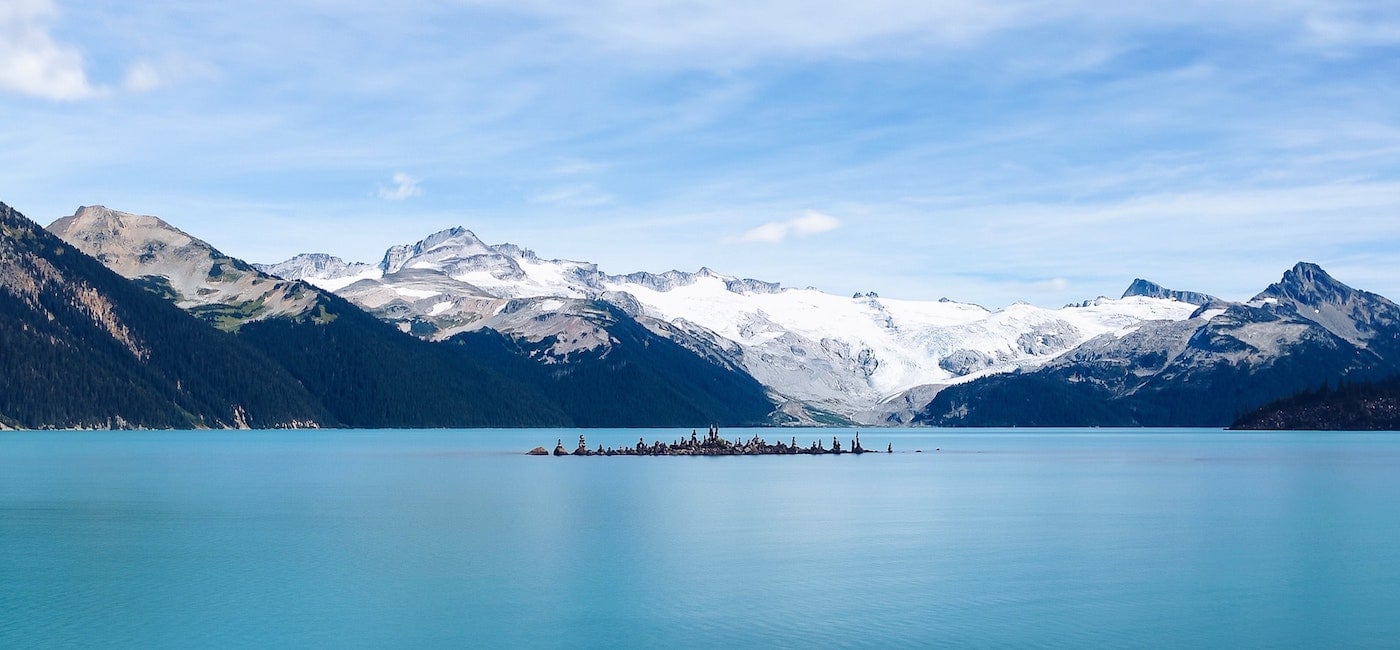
(1102, 538)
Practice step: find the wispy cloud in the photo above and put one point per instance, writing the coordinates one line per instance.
(1020, 141)
(146, 75)
(579, 195)
(32, 62)
(405, 187)
(722, 33)
(142, 77)
(809, 223)
(739, 31)
(578, 167)
(1333, 29)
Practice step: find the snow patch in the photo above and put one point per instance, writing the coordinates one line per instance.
(416, 293)
(336, 284)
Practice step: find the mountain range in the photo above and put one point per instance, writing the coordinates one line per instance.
(1151, 357)
(1207, 370)
(823, 357)
(452, 331)
(368, 373)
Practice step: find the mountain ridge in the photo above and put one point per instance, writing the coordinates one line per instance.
(1205, 371)
(832, 354)
(84, 347)
(374, 372)
(1149, 289)
(1154, 357)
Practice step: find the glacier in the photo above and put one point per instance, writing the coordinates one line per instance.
(866, 358)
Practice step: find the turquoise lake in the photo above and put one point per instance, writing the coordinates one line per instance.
(1066, 538)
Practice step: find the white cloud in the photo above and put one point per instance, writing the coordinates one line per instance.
(405, 187)
(771, 232)
(810, 223)
(31, 62)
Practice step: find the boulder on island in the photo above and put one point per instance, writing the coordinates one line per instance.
(537, 451)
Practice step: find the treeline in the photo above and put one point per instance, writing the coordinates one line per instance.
(1349, 406)
(60, 365)
(642, 379)
(370, 375)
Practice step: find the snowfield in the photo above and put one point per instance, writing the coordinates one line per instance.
(880, 348)
(837, 353)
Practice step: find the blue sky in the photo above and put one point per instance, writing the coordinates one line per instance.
(985, 151)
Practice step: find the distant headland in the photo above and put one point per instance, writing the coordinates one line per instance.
(711, 445)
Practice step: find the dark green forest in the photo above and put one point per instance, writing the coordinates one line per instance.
(1350, 406)
(369, 374)
(641, 380)
(60, 366)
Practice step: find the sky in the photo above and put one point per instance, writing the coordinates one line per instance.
(1041, 150)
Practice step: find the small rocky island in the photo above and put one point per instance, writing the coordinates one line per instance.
(711, 445)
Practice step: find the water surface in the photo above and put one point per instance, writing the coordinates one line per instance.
(454, 538)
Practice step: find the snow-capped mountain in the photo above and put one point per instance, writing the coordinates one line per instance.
(851, 353)
(832, 353)
(451, 282)
(500, 271)
(1227, 358)
(537, 361)
(529, 340)
(332, 272)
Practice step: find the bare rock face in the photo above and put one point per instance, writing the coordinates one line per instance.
(537, 451)
(1360, 317)
(200, 279)
(1148, 289)
(313, 267)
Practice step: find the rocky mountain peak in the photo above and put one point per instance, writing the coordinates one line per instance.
(91, 217)
(456, 237)
(516, 251)
(223, 290)
(100, 223)
(1357, 316)
(1141, 287)
(127, 241)
(313, 266)
(1307, 284)
(453, 243)
(1149, 289)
